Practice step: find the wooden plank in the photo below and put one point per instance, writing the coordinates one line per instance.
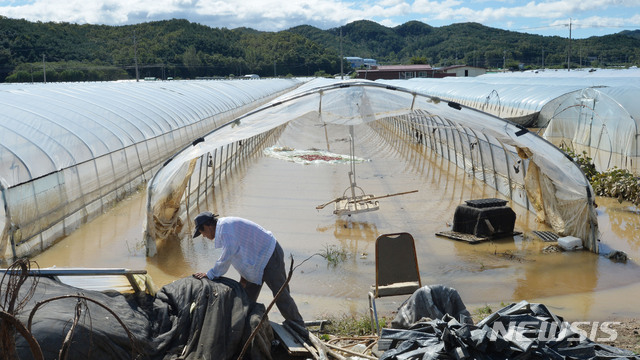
(293, 346)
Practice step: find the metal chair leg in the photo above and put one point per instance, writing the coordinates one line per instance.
(373, 312)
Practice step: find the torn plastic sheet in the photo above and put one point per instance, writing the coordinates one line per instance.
(311, 156)
(517, 331)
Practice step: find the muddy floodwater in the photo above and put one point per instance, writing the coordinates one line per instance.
(282, 196)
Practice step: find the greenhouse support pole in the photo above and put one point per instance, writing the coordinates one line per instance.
(484, 175)
(473, 167)
(493, 163)
(452, 130)
(206, 173)
(524, 175)
(220, 167)
(215, 166)
(594, 235)
(506, 157)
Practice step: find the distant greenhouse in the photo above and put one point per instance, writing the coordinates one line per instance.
(515, 102)
(602, 122)
(68, 151)
(595, 112)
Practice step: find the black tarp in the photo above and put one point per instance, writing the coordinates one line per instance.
(187, 319)
(517, 331)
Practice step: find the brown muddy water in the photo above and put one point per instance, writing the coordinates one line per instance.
(282, 196)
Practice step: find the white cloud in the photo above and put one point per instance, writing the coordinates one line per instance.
(275, 15)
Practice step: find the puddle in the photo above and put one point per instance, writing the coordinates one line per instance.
(283, 195)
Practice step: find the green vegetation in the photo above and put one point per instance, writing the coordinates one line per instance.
(352, 325)
(181, 49)
(334, 255)
(484, 310)
(583, 160)
(616, 183)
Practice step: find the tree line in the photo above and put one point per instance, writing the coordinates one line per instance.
(35, 51)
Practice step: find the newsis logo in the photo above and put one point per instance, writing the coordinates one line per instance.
(546, 331)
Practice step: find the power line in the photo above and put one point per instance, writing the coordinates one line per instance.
(578, 26)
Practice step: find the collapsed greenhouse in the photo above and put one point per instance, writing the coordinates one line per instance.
(521, 165)
(69, 151)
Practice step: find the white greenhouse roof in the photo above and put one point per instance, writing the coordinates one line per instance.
(506, 100)
(69, 150)
(48, 127)
(585, 77)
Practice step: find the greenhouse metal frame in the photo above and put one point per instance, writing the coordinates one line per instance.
(70, 151)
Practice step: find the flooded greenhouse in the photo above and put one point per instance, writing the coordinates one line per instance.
(277, 164)
(70, 151)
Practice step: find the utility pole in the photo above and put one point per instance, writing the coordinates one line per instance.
(569, 53)
(341, 57)
(274, 68)
(135, 55)
(504, 59)
(44, 69)
(542, 58)
(580, 53)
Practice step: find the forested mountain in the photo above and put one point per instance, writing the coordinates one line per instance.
(182, 49)
(632, 33)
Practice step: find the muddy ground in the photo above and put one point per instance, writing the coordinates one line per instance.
(628, 332)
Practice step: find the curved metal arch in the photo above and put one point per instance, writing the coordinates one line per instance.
(65, 125)
(43, 150)
(91, 118)
(21, 160)
(159, 120)
(152, 127)
(168, 108)
(101, 105)
(194, 103)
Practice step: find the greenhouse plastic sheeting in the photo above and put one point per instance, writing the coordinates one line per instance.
(186, 319)
(517, 331)
(69, 150)
(550, 184)
(519, 103)
(554, 77)
(595, 114)
(602, 122)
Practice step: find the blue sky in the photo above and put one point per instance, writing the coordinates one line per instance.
(587, 17)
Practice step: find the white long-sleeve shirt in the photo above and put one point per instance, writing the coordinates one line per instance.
(245, 245)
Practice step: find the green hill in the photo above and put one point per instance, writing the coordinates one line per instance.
(182, 49)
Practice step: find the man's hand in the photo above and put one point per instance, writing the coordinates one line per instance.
(199, 275)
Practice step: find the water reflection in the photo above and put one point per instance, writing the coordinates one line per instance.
(349, 230)
(170, 257)
(623, 222)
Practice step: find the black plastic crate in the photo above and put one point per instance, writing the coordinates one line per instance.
(491, 221)
(486, 203)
